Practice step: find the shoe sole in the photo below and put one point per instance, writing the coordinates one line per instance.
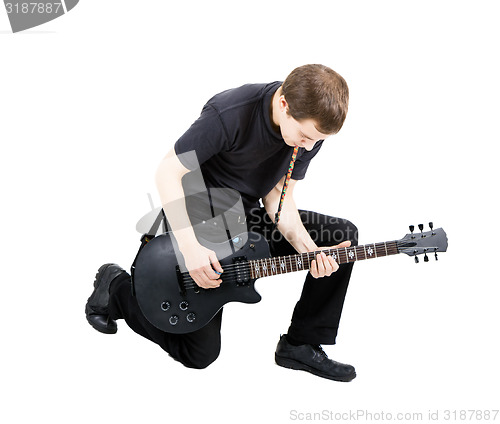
(101, 270)
(104, 330)
(299, 366)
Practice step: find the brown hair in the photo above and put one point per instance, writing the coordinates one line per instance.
(319, 93)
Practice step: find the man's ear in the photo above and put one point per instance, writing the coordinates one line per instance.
(283, 103)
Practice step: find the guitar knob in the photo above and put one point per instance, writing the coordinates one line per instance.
(191, 317)
(183, 305)
(165, 306)
(173, 320)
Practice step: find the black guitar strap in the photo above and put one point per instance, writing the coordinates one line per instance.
(146, 238)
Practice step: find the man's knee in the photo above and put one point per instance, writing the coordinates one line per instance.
(339, 231)
(199, 361)
(351, 232)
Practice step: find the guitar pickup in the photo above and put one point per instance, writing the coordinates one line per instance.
(242, 270)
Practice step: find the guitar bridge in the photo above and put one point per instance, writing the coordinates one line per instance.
(180, 281)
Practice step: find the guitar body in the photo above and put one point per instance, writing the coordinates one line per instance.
(172, 301)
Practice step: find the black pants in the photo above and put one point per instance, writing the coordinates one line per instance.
(316, 315)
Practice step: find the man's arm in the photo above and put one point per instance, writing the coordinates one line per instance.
(290, 225)
(199, 260)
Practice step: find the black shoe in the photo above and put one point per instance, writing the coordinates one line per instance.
(313, 359)
(96, 308)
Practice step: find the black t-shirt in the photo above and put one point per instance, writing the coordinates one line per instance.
(236, 145)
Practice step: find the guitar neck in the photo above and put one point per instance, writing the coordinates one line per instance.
(302, 261)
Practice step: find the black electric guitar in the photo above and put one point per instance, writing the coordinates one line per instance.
(173, 302)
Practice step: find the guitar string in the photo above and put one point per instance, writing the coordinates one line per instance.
(305, 256)
(232, 270)
(189, 282)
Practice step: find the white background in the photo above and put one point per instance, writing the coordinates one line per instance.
(90, 103)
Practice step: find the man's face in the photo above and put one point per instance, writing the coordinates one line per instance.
(300, 133)
(297, 133)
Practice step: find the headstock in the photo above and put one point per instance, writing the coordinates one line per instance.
(426, 242)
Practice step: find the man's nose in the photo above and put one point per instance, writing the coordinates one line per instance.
(308, 145)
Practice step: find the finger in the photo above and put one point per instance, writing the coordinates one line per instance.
(313, 269)
(332, 266)
(211, 277)
(207, 284)
(198, 280)
(210, 284)
(204, 281)
(327, 265)
(209, 273)
(346, 243)
(321, 264)
(335, 265)
(215, 263)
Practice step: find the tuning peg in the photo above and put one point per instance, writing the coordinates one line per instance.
(431, 226)
(412, 228)
(426, 258)
(416, 259)
(436, 255)
(421, 227)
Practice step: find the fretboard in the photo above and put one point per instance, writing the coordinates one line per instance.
(302, 261)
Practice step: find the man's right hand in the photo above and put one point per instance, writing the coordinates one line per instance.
(202, 264)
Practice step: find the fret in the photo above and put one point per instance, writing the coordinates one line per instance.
(385, 245)
(392, 248)
(311, 256)
(341, 260)
(361, 252)
(298, 261)
(256, 269)
(273, 266)
(371, 251)
(307, 260)
(334, 255)
(282, 265)
(350, 254)
(378, 250)
(264, 266)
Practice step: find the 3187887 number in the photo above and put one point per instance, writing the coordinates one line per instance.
(471, 415)
(32, 8)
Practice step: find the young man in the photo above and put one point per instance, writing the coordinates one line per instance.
(244, 140)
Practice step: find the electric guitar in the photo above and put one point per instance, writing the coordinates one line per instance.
(173, 302)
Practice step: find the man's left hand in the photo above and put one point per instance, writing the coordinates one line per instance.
(324, 265)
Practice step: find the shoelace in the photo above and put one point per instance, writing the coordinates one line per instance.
(320, 350)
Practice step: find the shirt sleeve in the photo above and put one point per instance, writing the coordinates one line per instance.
(205, 138)
(302, 161)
